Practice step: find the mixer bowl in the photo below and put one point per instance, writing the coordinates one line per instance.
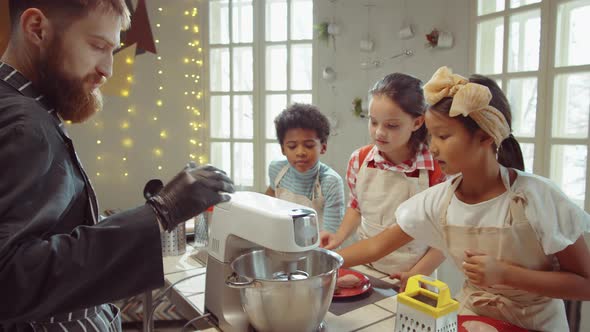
(285, 291)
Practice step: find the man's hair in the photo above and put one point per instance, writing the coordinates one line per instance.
(67, 11)
(302, 116)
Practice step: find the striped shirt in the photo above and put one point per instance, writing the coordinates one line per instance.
(422, 160)
(299, 183)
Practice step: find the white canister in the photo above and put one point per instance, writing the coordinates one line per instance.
(445, 40)
(367, 45)
(406, 32)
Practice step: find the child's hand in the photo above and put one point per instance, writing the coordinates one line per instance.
(403, 279)
(329, 240)
(482, 269)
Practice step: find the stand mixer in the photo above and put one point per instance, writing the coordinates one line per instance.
(251, 221)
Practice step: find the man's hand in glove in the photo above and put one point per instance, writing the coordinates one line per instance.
(189, 193)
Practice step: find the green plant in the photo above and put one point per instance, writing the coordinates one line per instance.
(322, 31)
(357, 107)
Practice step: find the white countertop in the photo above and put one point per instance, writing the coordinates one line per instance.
(379, 316)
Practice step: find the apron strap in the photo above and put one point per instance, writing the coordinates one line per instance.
(317, 187)
(448, 197)
(280, 175)
(423, 180)
(518, 201)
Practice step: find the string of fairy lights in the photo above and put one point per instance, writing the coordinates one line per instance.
(191, 94)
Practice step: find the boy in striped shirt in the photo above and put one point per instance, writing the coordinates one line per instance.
(302, 131)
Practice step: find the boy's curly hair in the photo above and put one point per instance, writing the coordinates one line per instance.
(303, 116)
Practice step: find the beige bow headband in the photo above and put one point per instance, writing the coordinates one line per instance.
(469, 99)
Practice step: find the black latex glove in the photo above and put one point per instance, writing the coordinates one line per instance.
(189, 193)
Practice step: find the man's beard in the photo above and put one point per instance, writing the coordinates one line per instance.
(68, 95)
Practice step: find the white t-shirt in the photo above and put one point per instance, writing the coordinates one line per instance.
(557, 221)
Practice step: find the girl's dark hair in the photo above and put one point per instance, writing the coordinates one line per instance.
(509, 152)
(303, 116)
(406, 91)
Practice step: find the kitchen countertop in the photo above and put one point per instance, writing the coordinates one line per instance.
(189, 297)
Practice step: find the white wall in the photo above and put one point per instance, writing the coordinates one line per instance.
(387, 17)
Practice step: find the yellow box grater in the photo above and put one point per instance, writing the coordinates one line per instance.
(422, 310)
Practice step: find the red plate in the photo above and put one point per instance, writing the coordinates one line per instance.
(363, 287)
(501, 326)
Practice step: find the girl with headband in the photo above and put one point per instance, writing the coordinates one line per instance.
(516, 237)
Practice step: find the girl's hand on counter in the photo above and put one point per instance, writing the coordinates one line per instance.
(403, 279)
(329, 240)
(483, 270)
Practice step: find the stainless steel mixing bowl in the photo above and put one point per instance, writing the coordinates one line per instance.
(285, 291)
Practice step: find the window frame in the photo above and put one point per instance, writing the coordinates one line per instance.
(259, 93)
(546, 74)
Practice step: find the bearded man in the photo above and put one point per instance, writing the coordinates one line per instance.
(58, 264)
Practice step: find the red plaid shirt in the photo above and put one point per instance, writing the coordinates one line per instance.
(422, 160)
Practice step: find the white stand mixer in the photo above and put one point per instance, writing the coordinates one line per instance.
(249, 221)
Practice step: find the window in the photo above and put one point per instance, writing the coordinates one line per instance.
(536, 51)
(260, 60)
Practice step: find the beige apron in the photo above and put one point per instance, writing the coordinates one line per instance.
(514, 242)
(379, 193)
(316, 202)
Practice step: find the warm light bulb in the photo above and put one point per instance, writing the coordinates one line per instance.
(160, 9)
(157, 41)
(124, 158)
(155, 118)
(186, 27)
(126, 174)
(125, 93)
(163, 134)
(159, 103)
(127, 142)
(159, 168)
(98, 141)
(124, 125)
(193, 141)
(97, 174)
(158, 25)
(196, 29)
(130, 79)
(161, 88)
(99, 158)
(128, 60)
(157, 152)
(160, 72)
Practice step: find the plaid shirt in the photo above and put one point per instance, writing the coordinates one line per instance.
(422, 160)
